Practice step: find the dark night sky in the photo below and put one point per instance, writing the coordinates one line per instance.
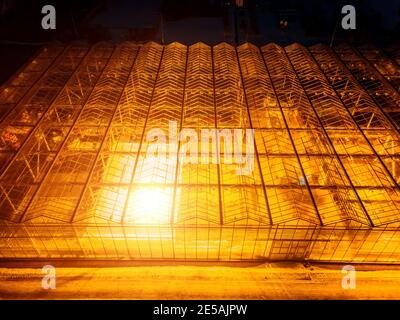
(209, 21)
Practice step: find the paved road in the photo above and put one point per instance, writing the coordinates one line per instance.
(271, 281)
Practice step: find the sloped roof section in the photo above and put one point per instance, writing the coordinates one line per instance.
(197, 135)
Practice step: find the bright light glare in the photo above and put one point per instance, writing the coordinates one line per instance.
(152, 205)
(149, 200)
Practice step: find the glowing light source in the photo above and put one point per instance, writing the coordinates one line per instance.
(150, 205)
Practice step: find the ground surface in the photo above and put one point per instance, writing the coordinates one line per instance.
(267, 281)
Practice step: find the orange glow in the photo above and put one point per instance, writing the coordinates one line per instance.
(78, 179)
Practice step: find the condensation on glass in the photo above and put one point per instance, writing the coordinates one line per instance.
(76, 180)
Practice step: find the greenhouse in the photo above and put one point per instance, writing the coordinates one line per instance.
(317, 129)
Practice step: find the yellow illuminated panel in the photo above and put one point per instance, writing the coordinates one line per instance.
(128, 151)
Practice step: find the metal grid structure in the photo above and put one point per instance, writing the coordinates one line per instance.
(77, 181)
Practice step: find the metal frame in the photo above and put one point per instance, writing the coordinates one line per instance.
(325, 187)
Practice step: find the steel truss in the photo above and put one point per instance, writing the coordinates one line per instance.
(76, 179)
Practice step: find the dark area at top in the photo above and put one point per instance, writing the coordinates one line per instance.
(210, 21)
